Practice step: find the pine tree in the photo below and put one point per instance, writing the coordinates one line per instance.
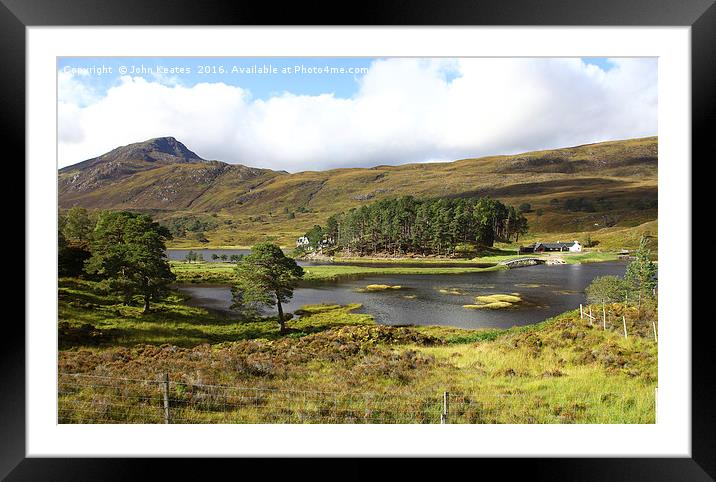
(266, 277)
(641, 273)
(128, 251)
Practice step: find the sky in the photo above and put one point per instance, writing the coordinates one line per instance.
(298, 114)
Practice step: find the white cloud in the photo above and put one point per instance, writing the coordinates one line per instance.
(70, 90)
(406, 110)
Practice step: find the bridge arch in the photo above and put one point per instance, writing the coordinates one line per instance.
(528, 261)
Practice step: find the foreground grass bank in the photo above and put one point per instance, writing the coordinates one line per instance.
(89, 317)
(336, 365)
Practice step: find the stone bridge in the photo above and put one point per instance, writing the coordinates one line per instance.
(515, 263)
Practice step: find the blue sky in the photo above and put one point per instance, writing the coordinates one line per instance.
(261, 85)
(373, 111)
(601, 62)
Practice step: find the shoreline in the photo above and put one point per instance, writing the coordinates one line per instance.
(208, 272)
(219, 273)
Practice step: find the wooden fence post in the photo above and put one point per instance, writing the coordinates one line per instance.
(446, 408)
(591, 318)
(165, 390)
(653, 323)
(581, 312)
(604, 316)
(625, 331)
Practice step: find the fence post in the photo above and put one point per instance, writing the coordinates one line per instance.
(604, 316)
(653, 323)
(581, 313)
(446, 408)
(165, 390)
(591, 318)
(624, 322)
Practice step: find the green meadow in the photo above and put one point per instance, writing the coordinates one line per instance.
(563, 370)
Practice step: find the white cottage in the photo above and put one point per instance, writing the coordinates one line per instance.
(576, 247)
(559, 246)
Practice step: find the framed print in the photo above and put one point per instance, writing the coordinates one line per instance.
(420, 232)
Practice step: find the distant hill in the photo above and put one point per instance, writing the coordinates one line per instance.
(159, 173)
(573, 189)
(123, 162)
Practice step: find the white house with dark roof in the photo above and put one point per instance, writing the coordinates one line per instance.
(302, 241)
(573, 247)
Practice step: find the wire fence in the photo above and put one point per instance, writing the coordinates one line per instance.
(629, 318)
(85, 398)
(97, 399)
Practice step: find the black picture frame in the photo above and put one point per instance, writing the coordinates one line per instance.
(16, 15)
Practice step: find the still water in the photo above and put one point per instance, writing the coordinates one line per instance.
(546, 291)
(180, 254)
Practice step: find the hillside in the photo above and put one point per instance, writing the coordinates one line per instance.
(571, 190)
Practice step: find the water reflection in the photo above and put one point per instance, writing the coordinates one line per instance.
(439, 299)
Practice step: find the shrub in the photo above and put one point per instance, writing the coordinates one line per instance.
(606, 289)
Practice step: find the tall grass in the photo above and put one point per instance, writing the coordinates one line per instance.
(563, 370)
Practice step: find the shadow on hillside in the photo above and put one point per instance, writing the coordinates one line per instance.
(555, 186)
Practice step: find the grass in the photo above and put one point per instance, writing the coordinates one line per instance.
(590, 257)
(494, 305)
(337, 272)
(82, 305)
(607, 239)
(562, 370)
(498, 298)
(379, 287)
(485, 256)
(494, 302)
(203, 272)
(494, 255)
(223, 273)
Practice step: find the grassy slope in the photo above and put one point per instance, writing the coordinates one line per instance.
(560, 371)
(608, 239)
(619, 177)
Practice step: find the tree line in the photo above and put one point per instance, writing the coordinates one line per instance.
(194, 257)
(426, 226)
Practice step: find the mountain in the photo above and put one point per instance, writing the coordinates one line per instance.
(159, 172)
(569, 190)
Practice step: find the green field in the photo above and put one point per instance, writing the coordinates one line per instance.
(223, 273)
(563, 370)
